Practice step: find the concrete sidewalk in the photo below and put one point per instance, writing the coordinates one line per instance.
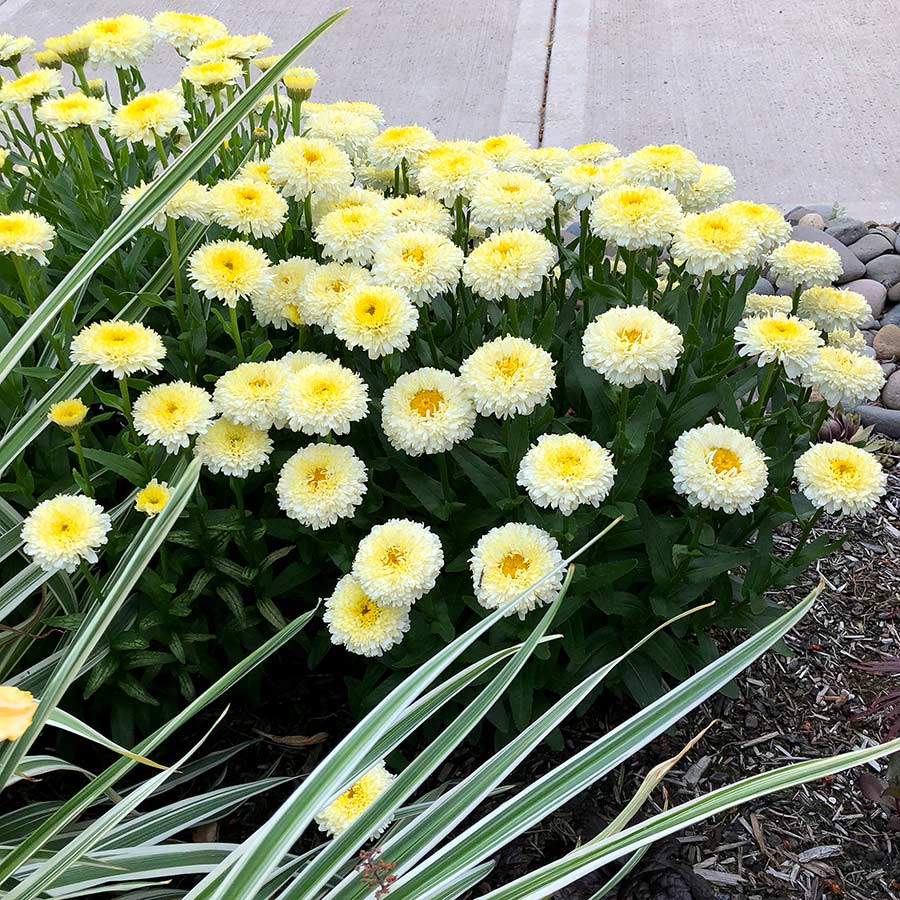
(799, 100)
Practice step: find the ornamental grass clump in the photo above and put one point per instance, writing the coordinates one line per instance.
(403, 374)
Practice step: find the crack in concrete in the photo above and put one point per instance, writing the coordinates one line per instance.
(542, 115)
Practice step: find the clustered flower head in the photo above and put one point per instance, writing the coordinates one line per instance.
(844, 376)
(423, 264)
(59, 533)
(503, 201)
(278, 304)
(120, 347)
(840, 478)
(831, 308)
(73, 111)
(17, 709)
(715, 242)
(233, 448)
(152, 498)
(150, 115)
(26, 234)
(340, 814)
(170, 414)
(805, 263)
(357, 622)
(636, 216)
(779, 337)
(509, 264)
(229, 271)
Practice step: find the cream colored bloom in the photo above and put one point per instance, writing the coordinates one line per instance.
(351, 131)
(249, 206)
(388, 149)
(258, 169)
(26, 234)
(505, 200)
(299, 82)
(805, 263)
(667, 166)
(59, 533)
(842, 376)
(415, 213)
(68, 414)
(230, 47)
(841, 478)
(509, 264)
(831, 308)
(320, 484)
(229, 270)
(423, 264)
(301, 166)
(279, 303)
(594, 152)
(771, 225)
(500, 147)
(362, 108)
(767, 304)
(72, 48)
(323, 398)
(848, 340)
(717, 467)
(786, 339)
(454, 174)
(326, 288)
(190, 201)
(250, 394)
(715, 186)
(715, 242)
(582, 183)
(631, 344)
(12, 48)
(542, 162)
(426, 411)
(170, 414)
(73, 111)
(635, 217)
(184, 31)
(349, 806)
(122, 41)
(353, 233)
(377, 318)
(152, 499)
(16, 712)
(357, 622)
(300, 359)
(48, 59)
(233, 449)
(148, 116)
(117, 346)
(508, 376)
(355, 196)
(509, 560)
(398, 562)
(28, 87)
(565, 471)
(213, 76)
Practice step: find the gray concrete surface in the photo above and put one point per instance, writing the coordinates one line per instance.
(798, 99)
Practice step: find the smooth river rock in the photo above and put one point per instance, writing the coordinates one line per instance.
(890, 393)
(847, 229)
(871, 245)
(885, 269)
(887, 421)
(887, 342)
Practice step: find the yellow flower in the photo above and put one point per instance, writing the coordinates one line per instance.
(26, 234)
(299, 82)
(500, 147)
(213, 76)
(362, 107)
(29, 87)
(233, 449)
(279, 303)
(509, 264)
(350, 131)
(16, 712)
(565, 471)
(451, 175)
(153, 498)
(509, 560)
(786, 339)
(503, 201)
(320, 484)
(398, 562)
(249, 206)
(399, 142)
(349, 806)
(72, 48)
(636, 217)
(250, 394)
(323, 398)
(594, 151)
(840, 478)
(325, 289)
(68, 414)
(508, 376)
(415, 213)
(772, 226)
(542, 162)
(302, 166)
(421, 263)
(377, 318)
(60, 532)
(805, 263)
(122, 41)
(714, 186)
(48, 59)
(357, 622)
(150, 115)
(579, 185)
(766, 304)
(229, 270)
(258, 169)
(169, 414)
(667, 166)
(120, 347)
(73, 111)
(12, 48)
(717, 467)
(230, 47)
(426, 411)
(844, 376)
(190, 201)
(264, 63)
(832, 308)
(715, 242)
(353, 233)
(184, 31)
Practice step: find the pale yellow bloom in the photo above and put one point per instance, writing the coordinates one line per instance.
(16, 712)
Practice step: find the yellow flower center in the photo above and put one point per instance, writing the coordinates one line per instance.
(779, 329)
(12, 227)
(505, 247)
(414, 255)
(368, 614)
(372, 311)
(631, 336)
(843, 469)
(259, 384)
(311, 155)
(511, 188)
(426, 402)
(567, 463)
(508, 366)
(513, 564)
(317, 477)
(724, 460)
(394, 557)
(249, 194)
(143, 104)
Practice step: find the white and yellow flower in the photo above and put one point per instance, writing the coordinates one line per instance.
(503, 201)
(17, 709)
(450, 175)
(26, 234)
(767, 304)
(831, 308)
(249, 206)
(715, 186)
(770, 224)
(152, 499)
(229, 271)
(840, 478)
(323, 398)
(349, 806)
(150, 115)
(68, 414)
(326, 288)
(844, 376)
(279, 303)
(779, 338)
(421, 263)
(302, 166)
(123, 41)
(715, 242)
(354, 233)
(636, 217)
(120, 347)
(398, 143)
(184, 31)
(377, 318)
(250, 394)
(509, 264)
(61, 532)
(357, 622)
(670, 167)
(233, 449)
(74, 110)
(415, 213)
(170, 414)
(805, 263)
(28, 87)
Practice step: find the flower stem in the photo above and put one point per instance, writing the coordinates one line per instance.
(445, 476)
(176, 270)
(25, 281)
(79, 452)
(236, 332)
(92, 582)
(161, 152)
(126, 408)
(512, 309)
(804, 537)
(295, 116)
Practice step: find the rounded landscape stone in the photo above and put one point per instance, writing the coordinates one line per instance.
(887, 342)
(853, 268)
(890, 393)
(892, 316)
(874, 292)
(885, 269)
(887, 421)
(893, 293)
(871, 245)
(812, 220)
(847, 229)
